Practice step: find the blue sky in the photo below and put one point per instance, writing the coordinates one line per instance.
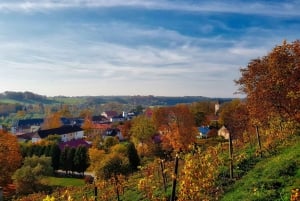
(137, 47)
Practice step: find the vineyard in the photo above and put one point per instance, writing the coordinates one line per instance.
(202, 175)
(163, 157)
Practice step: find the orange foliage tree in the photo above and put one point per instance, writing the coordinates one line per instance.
(10, 156)
(272, 84)
(177, 125)
(234, 115)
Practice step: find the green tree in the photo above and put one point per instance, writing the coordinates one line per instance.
(141, 131)
(112, 165)
(55, 156)
(28, 177)
(133, 157)
(71, 159)
(81, 159)
(63, 159)
(109, 141)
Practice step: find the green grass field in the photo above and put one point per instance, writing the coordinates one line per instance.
(272, 178)
(64, 182)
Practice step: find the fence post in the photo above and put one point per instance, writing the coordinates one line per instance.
(175, 178)
(95, 192)
(230, 157)
(1, 194)
(258, 140)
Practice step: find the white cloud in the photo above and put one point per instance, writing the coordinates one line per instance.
(115, 57)
(290, 8)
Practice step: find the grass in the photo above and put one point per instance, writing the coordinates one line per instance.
(64, 182)
(272, 178)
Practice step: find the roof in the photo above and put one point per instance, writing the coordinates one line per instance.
(101, 126)
(212, 117)
(59, 131)
(111, 132)
(74, 143)
(25, 136)
(28, 122)
(203, 130)
(99, 118)
(109, 114)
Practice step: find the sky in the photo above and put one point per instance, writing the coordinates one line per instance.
(138, 47)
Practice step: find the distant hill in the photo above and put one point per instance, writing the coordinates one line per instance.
(24, 98)
(32, 98)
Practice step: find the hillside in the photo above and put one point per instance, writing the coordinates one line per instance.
(273, 178)
(25, 98)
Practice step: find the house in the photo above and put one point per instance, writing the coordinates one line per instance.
(128, 115)
(109, 114)
(72, 121)
(113, 132)
(117, 118)
(25, 125)
(32, 125)
(24, 137)
(223, 132)
(67, 132)
(203, 131)
(101, 126)
(99, 119)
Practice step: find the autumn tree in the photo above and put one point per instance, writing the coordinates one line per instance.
(198, 180)
(10, 156)
(272, 84)
(88, 122)
(125, 129)
(52, 121)
(96, 157)
(178, 126)
(234, 115)
(200, 110)
(112, 164)
(141, 131)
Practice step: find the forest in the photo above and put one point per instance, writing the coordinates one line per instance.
(163, 158)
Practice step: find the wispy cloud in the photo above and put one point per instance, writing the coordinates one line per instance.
(281, 8)
(91, 52)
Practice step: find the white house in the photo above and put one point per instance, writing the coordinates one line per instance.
(223, 132)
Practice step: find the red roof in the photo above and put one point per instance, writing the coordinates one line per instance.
(74, 143)
(101, 126)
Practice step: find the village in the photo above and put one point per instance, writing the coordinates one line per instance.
(109, 123)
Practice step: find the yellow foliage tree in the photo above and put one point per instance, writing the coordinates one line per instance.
(198, 176)
(52, 121)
